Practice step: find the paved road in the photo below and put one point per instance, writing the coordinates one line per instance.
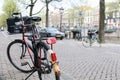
(90, 63)
(76, 62)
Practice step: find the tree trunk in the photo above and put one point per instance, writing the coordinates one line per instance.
(101, 21)
(47, 11)
(31, 8)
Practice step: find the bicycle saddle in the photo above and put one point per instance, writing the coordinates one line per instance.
(51, 40)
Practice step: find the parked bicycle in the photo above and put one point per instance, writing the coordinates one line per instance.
(33, 53)
(90, 39)
(78, 36)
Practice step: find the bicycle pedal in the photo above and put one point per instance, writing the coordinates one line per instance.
(24, 63)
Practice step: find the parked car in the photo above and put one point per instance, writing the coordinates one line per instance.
(51, 32)
(110, 29)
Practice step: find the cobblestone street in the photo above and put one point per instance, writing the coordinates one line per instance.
(95, 63)
(76, 62)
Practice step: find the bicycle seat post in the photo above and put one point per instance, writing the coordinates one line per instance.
(52, 46)
(23, 32)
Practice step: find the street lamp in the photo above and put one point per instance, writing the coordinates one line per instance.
(61, 13)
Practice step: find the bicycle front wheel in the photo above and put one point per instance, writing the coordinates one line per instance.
(18, 56)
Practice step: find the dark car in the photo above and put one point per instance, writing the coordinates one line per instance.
(51, 32)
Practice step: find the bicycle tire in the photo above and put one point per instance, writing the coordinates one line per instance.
(23, 64)
(50, 75)
(86, 42)
(95, 40)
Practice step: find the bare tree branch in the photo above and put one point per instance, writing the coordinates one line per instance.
(34, 1)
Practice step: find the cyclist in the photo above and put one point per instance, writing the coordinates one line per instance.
(91, 33)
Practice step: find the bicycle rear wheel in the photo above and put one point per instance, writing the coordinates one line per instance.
(18, 56)
(86, 42)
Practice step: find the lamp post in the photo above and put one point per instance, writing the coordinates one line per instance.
(61, 14)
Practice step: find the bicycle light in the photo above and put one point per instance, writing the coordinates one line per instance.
(53, 57)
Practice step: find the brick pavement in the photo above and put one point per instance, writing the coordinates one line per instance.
(7, 71)
(95, 63)
(76, 62)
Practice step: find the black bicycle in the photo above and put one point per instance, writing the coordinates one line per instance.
(90, 39)
(33, 53)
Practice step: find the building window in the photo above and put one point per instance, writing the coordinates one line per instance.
(113, 14)
(108, 20)
(117, 15)
(112, 20)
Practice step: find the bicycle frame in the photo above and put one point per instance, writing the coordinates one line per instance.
(92, 37)
(28, 46)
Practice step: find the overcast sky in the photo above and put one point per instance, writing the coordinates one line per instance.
(65, 4)
(1, 3)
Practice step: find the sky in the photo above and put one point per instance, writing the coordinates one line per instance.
(65, 4)
(1, 3)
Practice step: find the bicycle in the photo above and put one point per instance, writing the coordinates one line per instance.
(90, 39)
(78, 36)
(35, 56)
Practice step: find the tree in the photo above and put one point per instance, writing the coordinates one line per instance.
(10, 7)
(74, 13)
(42, 15)
(101, 21)
(29, 3)
(31, 6)
(47, 10)
(112, 7)
(3, 18)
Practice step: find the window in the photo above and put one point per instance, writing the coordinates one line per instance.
(112, 21)
(113, 14)
(117, 14)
